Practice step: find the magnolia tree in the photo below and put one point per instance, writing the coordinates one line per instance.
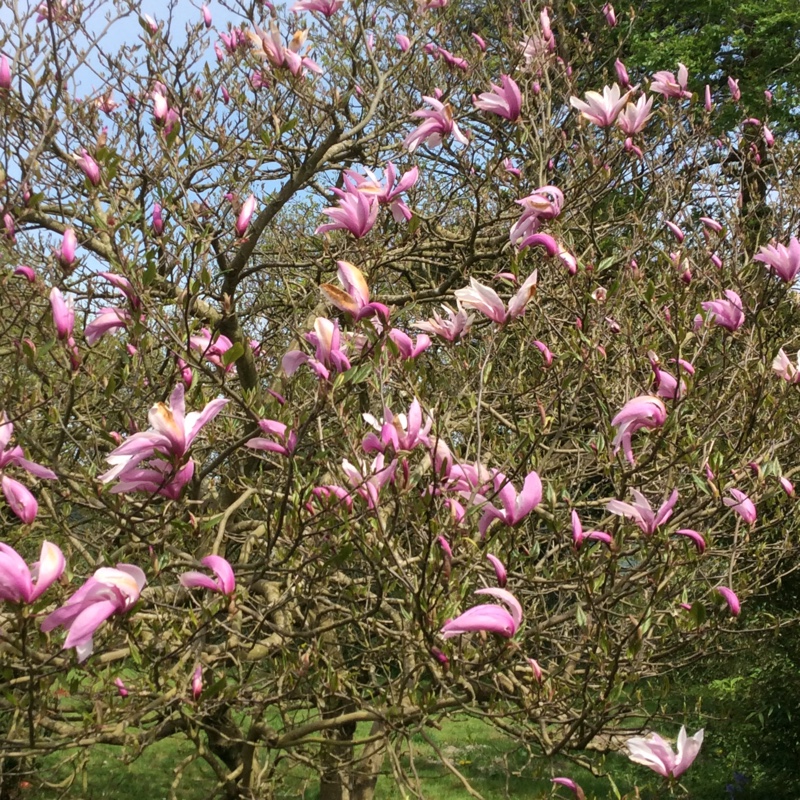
(369, 365)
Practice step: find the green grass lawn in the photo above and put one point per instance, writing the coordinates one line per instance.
(488, 760)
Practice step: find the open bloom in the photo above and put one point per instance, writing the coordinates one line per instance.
(457, 324)
(579, 535)
(545, 203)
(269, 46)
(354, 297)
(398, 431)
(286, 438)
(109, 591)
(654, 752)
(170, 436)
(783, 261)
(328, 356)
(18, 497)
(21, 584)
(485, 299)
(742, 505)
(644, 411)
(356, 211)
(407, 347)
(634, 117)
(487, 617)
(641, 512)
(389, 192)
(438, 123)
(602, 109)
(505, 100)
(665, 83)
(224, 581)
(368, 480)
(729, 313)
(212, 348)
(783, 367)
(515, 507)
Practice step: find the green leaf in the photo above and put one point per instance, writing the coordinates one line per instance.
(233, 354)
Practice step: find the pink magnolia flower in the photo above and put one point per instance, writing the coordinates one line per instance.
(5, 74)
(63, 309)
(485, 299)
(545, 203)
(403, 42)
(389, 192)
(610, 15)
(787, 486)
(736, 92)
(408, 348)
(18, 497)
(622, 73)
(26, 272)
(329, 355)
(170, 436)
(699, 541)
(602, 109)
(245, 215)
(270, 47)
(505, 101)
(783, 261)
(486, 617)
(206, 12)
(109, 591)
(545, 351)
(108, 319)
(398, 431)
(729, 313)
(438, 123)
(197, 682)
(89, 167)
(122, 690)
(158, 220)
(211, 348)
(570, 784)
(354, 297)
(224, 581)
(499, 570)
(708, 104)
(665, 83)
(69, 243)
(479, 40)
(538, 673)
(579, 535)
(515, 507)
(634, 117)
(356, 211)
(368, 480)
(286, 438)
(644, 411)
(769, 138)
(641, 512)
(731, 599)
(457, 324)
(657, 754)
(325, 7)
(22, 584)
(666, 384)
(742, 505)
